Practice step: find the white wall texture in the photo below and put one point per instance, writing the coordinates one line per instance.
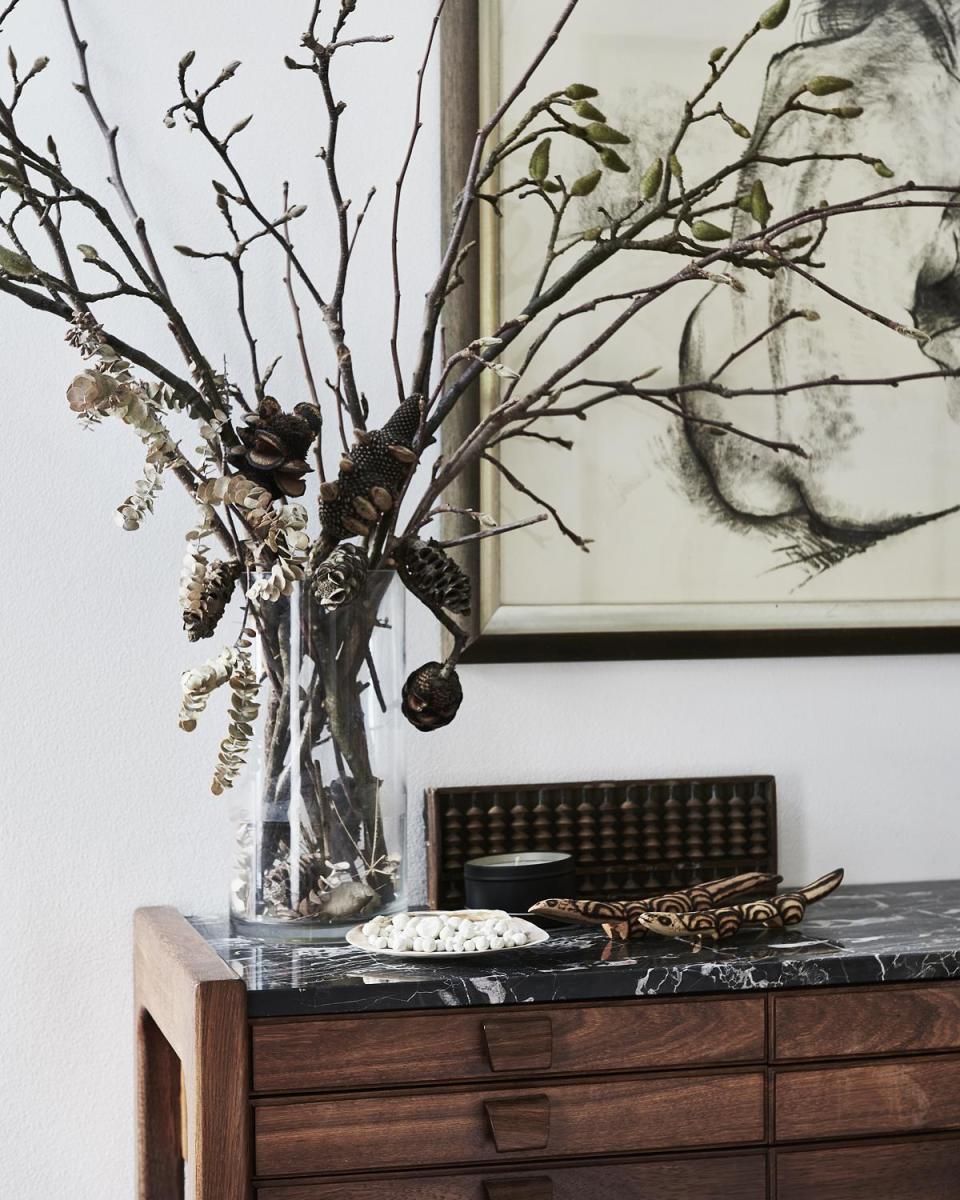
(103, 802)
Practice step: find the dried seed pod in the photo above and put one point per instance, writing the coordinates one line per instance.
(274, 446)
(431, 696)
(200, 620)
(432, 575)
(339, 578)
(372, 472)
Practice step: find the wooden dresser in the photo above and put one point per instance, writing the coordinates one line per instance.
(370, 1082)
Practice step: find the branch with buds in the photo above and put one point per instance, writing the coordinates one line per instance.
(374, 498)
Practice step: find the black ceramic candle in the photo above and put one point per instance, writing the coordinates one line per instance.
(513, 882)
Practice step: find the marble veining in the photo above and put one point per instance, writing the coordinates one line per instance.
(864, 934)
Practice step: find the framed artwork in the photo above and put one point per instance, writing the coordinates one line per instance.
(704, 544)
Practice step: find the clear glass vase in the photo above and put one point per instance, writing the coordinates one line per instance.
(321, 826)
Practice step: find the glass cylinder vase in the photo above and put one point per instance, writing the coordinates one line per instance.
(320, 831)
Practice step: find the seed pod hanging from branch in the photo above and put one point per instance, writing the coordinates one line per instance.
(433, 576)
(371, 475)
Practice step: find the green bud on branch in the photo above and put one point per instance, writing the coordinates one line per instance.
(827, 85)
(580, 91)
(882, 169)
(598, 132)
(585, 184)
(16, 265)
(612, 161)
(589, 112)
(540, 161)
(775, 15)
(676, 170)
(652, 178)
(848, 112)
(716, 55)
(706, 231)
(759, 204)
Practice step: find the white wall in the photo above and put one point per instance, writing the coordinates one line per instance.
(104, 803)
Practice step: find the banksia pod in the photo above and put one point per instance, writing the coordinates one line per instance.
(432, 696)
(201, 618)
(372, 473)
(432, 575)
(339, 578)
(274, 445)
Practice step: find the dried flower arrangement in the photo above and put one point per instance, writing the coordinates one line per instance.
(250, 472)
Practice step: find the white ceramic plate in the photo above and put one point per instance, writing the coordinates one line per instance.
(536, 935)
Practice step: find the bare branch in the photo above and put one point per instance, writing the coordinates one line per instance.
(110, 133)
(486, 533)
(437, 292)
(398, 195)
(518, 485)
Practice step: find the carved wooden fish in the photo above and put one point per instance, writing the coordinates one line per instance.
(788, 908)
(620, 919)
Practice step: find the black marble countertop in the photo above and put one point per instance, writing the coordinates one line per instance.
(865, 934)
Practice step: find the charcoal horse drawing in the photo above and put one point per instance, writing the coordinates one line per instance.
(881, 461)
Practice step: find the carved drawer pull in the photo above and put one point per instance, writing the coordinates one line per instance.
(540, 1188)
(519, 1043)
(519, 1123)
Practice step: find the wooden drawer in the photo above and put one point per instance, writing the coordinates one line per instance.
(898, 1019)
(706, 1177)
(449, 1127)
(336, 1054)
(899, 1096)
(920, 1169)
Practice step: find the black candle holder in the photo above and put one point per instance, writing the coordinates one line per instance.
(513, 882)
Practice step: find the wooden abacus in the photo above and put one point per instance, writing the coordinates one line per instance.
(631, 839)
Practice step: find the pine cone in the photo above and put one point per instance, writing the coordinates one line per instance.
(371, 475)
(274, 446)
(430, 573)
(340, 577)
(219, 580)
(431, 696)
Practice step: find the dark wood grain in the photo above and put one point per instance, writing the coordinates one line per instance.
(519, 1122)
(326, 1053)
(446, 1127)
(920, 1169)
(519, 1043)
(186, 995)
(895, 1096)
(898, 1019)
(533, 1187)
(740, 1177)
